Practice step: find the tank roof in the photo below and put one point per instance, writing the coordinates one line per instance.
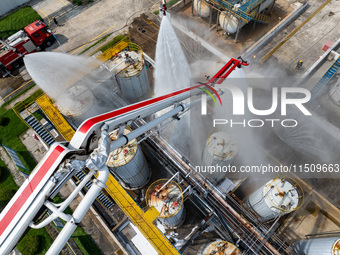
(221, 248)
(281, 195)
(127, 63)
(124, 154)
(168, 200)
(220, 146)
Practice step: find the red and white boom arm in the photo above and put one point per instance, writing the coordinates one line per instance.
(49, 175)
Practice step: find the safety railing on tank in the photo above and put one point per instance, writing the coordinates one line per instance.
(57, 119)
(299, 190)
(131, 153)
(254, 4)
(231, 8)
(246, 15)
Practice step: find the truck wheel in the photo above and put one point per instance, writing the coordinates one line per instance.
(48, 43)
(16, 64)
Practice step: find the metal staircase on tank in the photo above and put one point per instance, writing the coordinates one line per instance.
(40, 130)
(326, 78)
(142, 220)
(247, 11)
(57, 119)
(102, 198)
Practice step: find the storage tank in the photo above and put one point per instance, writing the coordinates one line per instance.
(230, 23)
(75, 101)
(220, 248)
(130, 72)
(128, 163)
(277, 197)
(318, 246)
(202, 8)
(219, 150)
(166, 196)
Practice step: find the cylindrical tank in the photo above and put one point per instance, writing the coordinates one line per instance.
(130, 71)
(318, 246)
(168, 200)
(75, 101)
(230, 23)
(276, 197)
(220, 248)
(202, 8)
(219, 150)
(128, 163)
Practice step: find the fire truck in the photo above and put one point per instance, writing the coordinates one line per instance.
(34, 37)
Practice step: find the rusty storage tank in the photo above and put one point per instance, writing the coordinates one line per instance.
(75, 101)
(202, 8)
(230, 23)
(219, 150)
(128, 66)
(277, 197)
(167, 197)
(318, 246)
(128, 163)
(220, 248)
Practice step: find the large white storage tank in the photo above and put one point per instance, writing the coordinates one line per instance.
(277, 197)
(75, 101)
(130, 72)
(230, 23)
(167, 197)
(220, 247)
(128, 163)
(202, 8)
(318, 246)
(219, 150)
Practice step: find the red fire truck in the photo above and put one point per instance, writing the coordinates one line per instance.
(34, 37)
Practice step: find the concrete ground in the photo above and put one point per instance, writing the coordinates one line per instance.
(306, 44)
(81, 24)
(248, 35)
(34, 146)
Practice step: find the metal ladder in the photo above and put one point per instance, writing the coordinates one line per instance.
(246, 15)
(102, 198)
(326, 78)
(142, 220)
(40, 130)
(252, 4)
(53, 114)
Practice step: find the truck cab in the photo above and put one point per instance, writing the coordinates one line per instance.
(39, 34)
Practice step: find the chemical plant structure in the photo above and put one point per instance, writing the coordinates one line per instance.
(106, 140)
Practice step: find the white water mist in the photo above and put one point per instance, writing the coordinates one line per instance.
(172, 71)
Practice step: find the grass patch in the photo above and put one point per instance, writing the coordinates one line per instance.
(6, 179)
(156, 12)
(18, 95)
(113, 42)
(16, 21)
(44, 238)
(9, 137)
(27, 101)
(94, 44)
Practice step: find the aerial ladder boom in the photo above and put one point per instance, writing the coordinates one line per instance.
(84, 150)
